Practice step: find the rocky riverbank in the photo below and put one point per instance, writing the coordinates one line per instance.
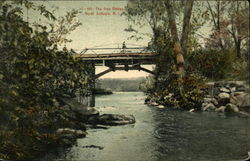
(82, 115)
(231, 96)
(222, 96)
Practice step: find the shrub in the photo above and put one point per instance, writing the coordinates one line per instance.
(186, 92)
(213, 64)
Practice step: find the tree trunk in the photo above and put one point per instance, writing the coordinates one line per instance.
(238, 45)
(216, 24)
(177, 47)
(186, 25)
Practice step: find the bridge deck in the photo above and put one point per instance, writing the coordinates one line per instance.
(114, 55)
(130, 58)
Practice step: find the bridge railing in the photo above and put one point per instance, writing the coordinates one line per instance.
(103, 51)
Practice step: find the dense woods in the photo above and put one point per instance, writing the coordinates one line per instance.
(188, 57)
(121, 85)
(33, 73)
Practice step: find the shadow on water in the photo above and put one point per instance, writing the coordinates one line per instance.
(161, 134)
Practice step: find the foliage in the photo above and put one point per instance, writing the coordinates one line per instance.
(187, 96)
(33, 73)
(128, 85)
(212, 63)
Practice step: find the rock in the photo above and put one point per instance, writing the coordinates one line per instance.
(168, 96)
(153, 104)
(223, 89)
(204, 104)
(80, 110)
(220, 109)
(223, 98)
(233, 89)
(240, 88)
(214, 101)
(240, 99)
(232, 84)
(192, 110)
(112, 119)
(79, 126)
(207, 100)
(93, 146)
(224, 95)
(208, 96)
(218, 84)
(231, 108)
(160, 106)
(147, 100)
(71, 132)
(209, 107)
(66, 142)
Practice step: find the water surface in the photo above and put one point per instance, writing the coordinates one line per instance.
(162, 134)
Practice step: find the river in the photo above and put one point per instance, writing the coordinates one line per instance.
(162, 134)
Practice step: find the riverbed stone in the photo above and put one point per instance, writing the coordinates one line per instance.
(240, 88)
(233, 89)
(192, 110)
(223, 98)
(160, 106)
(207, 100)
(203, 104)
(71, 132)
(220, 109)
(66, 142)
(80, 110)
(112, 119)
(223, 89)
(231, 108)
(209, 107)
(241, 99)
(214, 101)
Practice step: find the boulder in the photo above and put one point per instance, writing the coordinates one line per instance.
(112, 119)
(223, 89)
(240, 99)
(208, 107)
(66, 142)
(220, 109)
(240, 88)
(204, 104)
(79, 109)
(160, 106)
(231, 108)
(223, 98)
(214, 101)
(207, 100)
(233, 89)
(219, 84)
(232, 84)
(67, 132)
(153, 103)
(192, 110)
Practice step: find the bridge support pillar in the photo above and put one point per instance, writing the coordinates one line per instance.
(91, 101)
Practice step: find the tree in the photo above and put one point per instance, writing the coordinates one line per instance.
(186, 25)
(238, 23)
(229, 30)
(177, 47)
(33, 74)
